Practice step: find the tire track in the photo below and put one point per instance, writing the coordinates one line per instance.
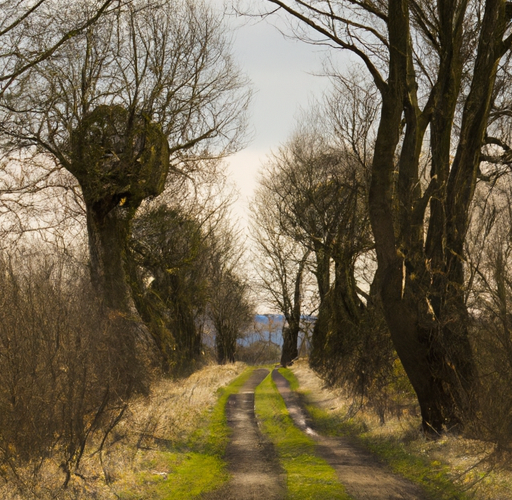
(363, 476)
(252, 461)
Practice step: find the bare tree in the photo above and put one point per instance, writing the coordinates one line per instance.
(230, 305)
(150, 89)
(318, 196)
(22, 22)
(281, 264)
(60, 380)
(489, 254)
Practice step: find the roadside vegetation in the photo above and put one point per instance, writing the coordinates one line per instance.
(386, 214)
(451, 467)
(172, 471)
(154, 451)
(120, 267)
(381, 231)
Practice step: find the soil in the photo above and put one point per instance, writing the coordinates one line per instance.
(364, 477)
(252, 460)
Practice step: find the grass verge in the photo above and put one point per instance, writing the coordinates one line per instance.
(308, 476)
(174, 474)
(432, 476)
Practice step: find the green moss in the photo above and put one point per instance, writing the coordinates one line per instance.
(308, 476)
(292, 379)
(433, 477)
(117, 156)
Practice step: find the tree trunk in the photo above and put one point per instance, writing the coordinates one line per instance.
(293, 316)
(119, 159)
(225, 343)
(460, 191)
(400, 308)
(108, 238)
(431, 338)
(323, 270)
(290, 350)
(136, 349)
(336, 335)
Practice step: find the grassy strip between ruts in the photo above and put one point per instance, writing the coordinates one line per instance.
(195, 467)
(308, 476)
(433, 477)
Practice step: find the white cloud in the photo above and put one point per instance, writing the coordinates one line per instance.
(283, 73)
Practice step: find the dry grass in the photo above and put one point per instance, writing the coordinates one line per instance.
(138, 444)
(472, 464)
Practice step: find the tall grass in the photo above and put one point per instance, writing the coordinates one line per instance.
(71, 425)
(189, 462)
(448, 468)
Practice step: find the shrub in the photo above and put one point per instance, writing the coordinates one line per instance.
(61, 368)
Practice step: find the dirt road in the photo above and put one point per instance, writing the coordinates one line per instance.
(254, 466)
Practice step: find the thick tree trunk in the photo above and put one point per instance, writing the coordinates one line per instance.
(423, 293)
(108, 247)
(119, 159)
(336, 334)
(323, 278)
(135, 350)
(413, 347)
(108, 237)
(399, 300)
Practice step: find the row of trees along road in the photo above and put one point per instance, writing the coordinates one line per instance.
(133, 99)
(138, 102)
(314, 242)
(438, 70)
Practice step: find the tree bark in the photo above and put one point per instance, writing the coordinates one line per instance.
(460, 191)
(136, 349)
(293, 316)
(399, 301)
(431, 338)
(290, 349)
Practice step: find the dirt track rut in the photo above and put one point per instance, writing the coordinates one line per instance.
(252, 462)
(254, 466)
(363, 476)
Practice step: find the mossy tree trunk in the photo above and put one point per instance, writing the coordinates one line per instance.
(119, 159)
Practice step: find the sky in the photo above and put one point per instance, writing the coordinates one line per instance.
(285, 77)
